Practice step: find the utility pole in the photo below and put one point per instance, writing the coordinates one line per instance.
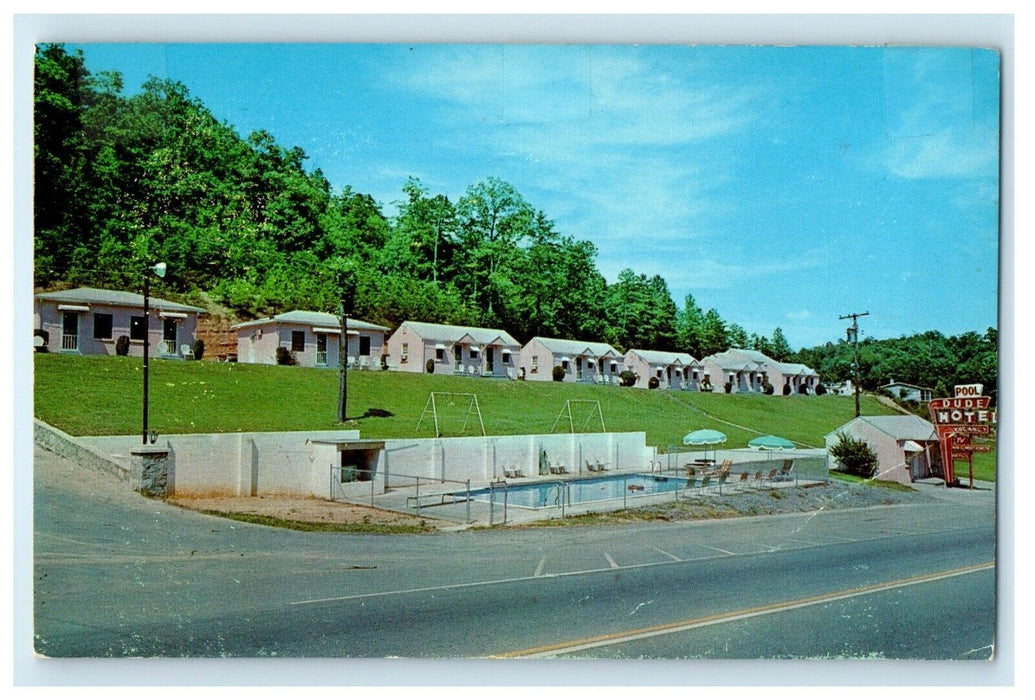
(347, 292)
(343, 354)
(853, 337)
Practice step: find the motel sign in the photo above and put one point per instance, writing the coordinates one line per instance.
(957, 420)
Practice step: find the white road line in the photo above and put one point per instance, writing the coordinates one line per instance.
(673, 557)
(612, 562)
(686, 625)
(540, 574)
(539, 568)
(706, 546)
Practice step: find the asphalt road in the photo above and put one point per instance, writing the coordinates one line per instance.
(117, 575)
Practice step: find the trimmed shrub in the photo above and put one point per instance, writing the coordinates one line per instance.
(820, 390)
(728, 387)
(429, 366)
(786, 389)
(855, 456)
(122, 345)
(653, 383)
(40, 333)
(199, 349)
(768, 389)
(558, 373)
(803, 388)
(284, 357)
(627, 377)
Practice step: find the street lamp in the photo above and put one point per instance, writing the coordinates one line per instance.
(159, 270)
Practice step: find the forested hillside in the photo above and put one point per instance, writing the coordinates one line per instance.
(244, 224)
(927, 359)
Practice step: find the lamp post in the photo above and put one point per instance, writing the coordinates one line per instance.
(159, 270)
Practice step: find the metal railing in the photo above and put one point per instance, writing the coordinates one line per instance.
(340, 476)
(69, 341)
(168, 347)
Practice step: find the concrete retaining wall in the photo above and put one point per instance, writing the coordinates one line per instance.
(231, 464)
(302, 463)
(50, 438)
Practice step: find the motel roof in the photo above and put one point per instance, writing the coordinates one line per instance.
(111, 297)
(899, 427)
(318, 319)
(451, 334)
(660, 357)
(576, 347)
(753, 360)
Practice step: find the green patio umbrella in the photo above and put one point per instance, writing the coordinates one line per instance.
(704, 437)
(771, 442)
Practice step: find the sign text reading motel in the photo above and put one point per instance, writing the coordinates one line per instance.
(957, 420)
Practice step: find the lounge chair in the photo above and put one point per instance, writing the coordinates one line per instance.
(771, 476)
(785, 471)
(601, 466)
(691, 471)
(590, 466)
(509, 473)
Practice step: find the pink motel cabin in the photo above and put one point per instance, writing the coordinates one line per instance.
(596, 363)
(312, 338)
(673, 370)
(90, 321)
(747, 371)
(906, 446)
(462, 350)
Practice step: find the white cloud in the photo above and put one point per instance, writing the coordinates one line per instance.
(800, 315)
(944, 155)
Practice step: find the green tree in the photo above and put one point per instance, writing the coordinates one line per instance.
(779, 348)
(855, 456)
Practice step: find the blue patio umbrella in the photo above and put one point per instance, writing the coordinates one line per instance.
(704, 437)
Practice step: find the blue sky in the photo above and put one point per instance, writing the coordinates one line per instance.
(783, 186)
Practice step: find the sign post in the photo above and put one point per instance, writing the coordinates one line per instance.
(957, 421)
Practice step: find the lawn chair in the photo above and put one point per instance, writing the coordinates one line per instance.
(691, 471)
(771, 476)
(590, 466)
(601, 466)
(350, 362)
(364, 362)
(785, 471)
(756, 480)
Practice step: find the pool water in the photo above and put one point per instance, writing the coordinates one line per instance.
(575, 491)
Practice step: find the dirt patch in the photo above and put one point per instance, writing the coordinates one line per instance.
(307, 510)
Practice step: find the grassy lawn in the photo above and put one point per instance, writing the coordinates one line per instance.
(102, 396)
(884, 484)
(984, 464)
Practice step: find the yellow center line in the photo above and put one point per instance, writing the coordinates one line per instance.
(684, 625)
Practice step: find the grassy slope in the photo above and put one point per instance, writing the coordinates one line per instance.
(102, 396)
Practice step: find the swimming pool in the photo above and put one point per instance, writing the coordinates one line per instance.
(574, 491)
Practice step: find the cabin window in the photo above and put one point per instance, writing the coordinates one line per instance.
(137, 328)
(297, 341)
(440, 354)
(535, 364)
(364, 345)
(102, 326)
(405, 352)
